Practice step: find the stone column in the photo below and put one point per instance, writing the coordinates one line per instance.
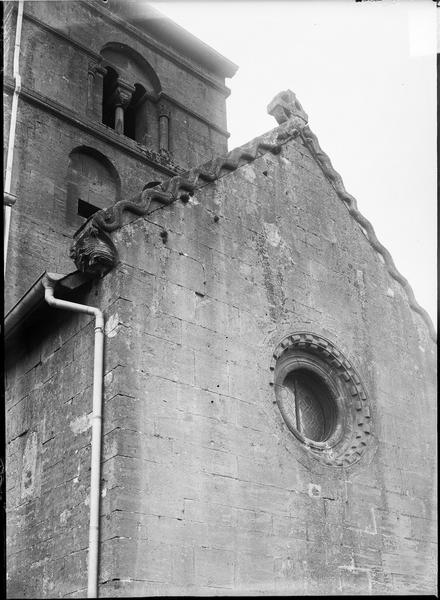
(164, 118)
(119, 119)
(121, 99)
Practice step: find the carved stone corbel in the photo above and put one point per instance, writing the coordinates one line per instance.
(122, 94)
(93, 251)
(96, 69)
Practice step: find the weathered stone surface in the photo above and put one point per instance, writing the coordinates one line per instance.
(205, 491)
(54, 119)
(224, 408)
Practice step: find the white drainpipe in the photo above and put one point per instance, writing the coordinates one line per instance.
(98, 371)
(12, 126)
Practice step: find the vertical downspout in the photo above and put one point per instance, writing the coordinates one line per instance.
(98, 373)
(12, 126)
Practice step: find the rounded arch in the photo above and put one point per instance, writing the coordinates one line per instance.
(93, 183)
(131, 66)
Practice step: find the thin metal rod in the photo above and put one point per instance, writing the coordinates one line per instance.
(297, 410)
(12, 127)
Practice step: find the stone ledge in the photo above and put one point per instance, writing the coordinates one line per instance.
(97, 130)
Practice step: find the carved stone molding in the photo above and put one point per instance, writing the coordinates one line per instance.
(93, 251)
(122, 94)
(164, 110)
(286, 108)
(95, 68)
(96, 129)
(353, 430)
(89, 259)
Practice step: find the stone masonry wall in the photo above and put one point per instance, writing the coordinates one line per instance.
(40, 229)
(54, 72)
(206, 489)
(49, 391)
(49, 381)
(65, 80)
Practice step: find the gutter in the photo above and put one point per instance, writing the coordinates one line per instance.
(33, 300)
(95, 476)
(12, 127)
(43, 290)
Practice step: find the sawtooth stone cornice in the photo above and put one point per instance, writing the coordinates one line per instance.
(94, 252)
(283, 107)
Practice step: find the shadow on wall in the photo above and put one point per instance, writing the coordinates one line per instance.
(93, 183)
(130, 94)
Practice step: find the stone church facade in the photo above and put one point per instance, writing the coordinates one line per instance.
(268, 383)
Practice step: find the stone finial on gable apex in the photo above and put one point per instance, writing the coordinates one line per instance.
(286, 106)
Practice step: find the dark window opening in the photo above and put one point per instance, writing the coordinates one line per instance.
(308, 404)
(85, 209)
(109, 85)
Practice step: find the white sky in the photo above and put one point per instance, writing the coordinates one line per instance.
(365, 73)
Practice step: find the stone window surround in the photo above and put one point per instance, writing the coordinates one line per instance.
(122, 95)
(96, 129)
(352, 431)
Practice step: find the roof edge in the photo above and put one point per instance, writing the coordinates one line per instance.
(93, 250)
(33, 299)
(282, 107)
(149, 19)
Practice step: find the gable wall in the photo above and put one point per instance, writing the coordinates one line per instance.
(215, 494)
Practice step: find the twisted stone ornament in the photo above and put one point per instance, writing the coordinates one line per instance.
(285, 107)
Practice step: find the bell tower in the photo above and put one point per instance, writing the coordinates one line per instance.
(109, 96)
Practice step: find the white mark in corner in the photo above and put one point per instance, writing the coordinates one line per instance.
(64, 516)
(248, 172)
(108, 378)
(111, 327)
(104, 493)
(81, 424)
(373, 530)
(390, 293)
(273, 237)
(314, 490)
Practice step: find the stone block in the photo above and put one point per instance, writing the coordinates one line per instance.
(205, 491)
(214, 567)
(210, 373)
(354, 582)
(254, 570)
